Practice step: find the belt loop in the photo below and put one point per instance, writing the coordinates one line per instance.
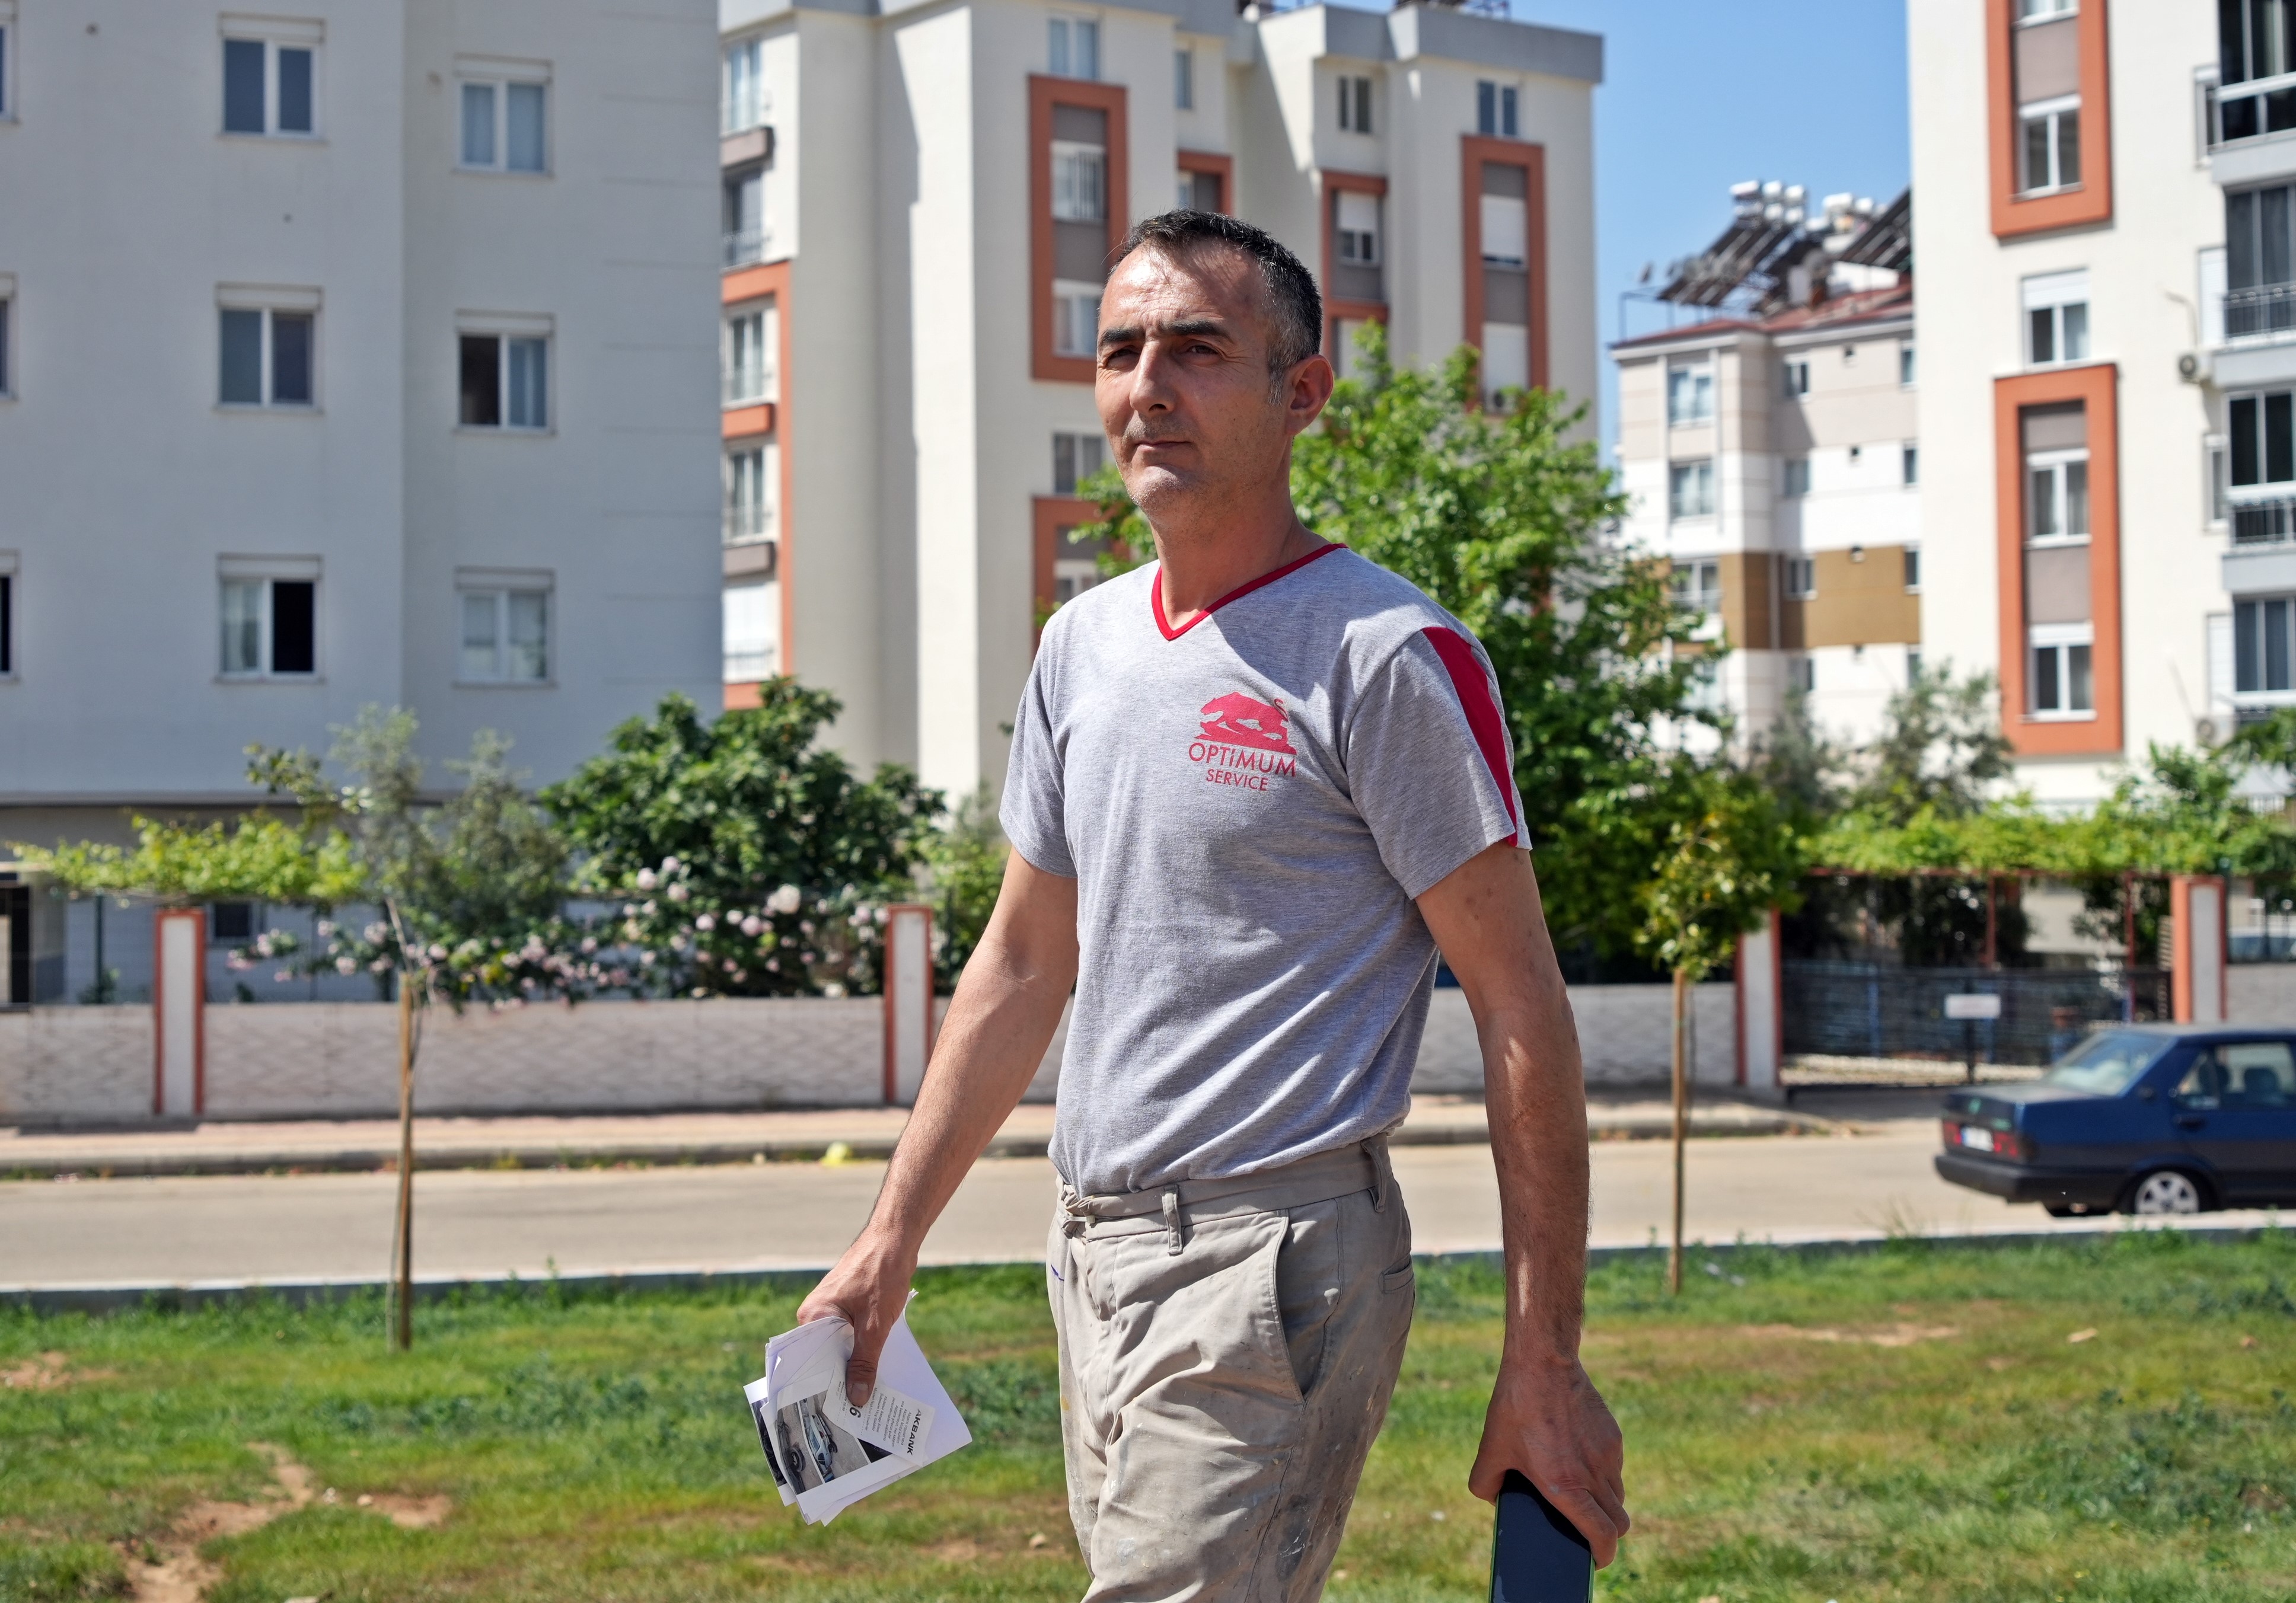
(1375, 1149)
(1172, 1219)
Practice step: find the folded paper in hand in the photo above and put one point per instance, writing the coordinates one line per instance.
(825, 1453)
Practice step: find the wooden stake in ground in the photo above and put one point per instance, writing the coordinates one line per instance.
(404, 1335)
(1681, 1116)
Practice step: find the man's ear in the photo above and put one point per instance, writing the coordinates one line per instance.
(1306, 391)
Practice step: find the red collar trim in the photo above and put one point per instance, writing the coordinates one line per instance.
(1156, 591)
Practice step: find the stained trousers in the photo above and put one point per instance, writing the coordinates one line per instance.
(1227, 1349)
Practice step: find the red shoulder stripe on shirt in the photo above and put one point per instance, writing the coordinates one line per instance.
(1482, 710)
(1156, 591)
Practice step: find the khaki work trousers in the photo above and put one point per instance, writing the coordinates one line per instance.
(1228, 1350)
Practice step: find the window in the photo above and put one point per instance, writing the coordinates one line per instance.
(1697, 585)
(1690, 490)
(1801, 674)
(1689, 395)
(2050, 145)
(742, 195)
(2261, 645)
(1912, 666)
(506, 381)
(1496, 110)
(1076, 318)
(1199, 191)
(269, 622)
(1184, 80)
(1797, 377)
(1076, 457)
(2057, 497)
(269, 87)
(1355, 105)
(2254, 40)
(2217, 468)
(1909, 464)
(7, 617)
(1075, 47)
(505, 637)
(7, 103)
(743, 99)
(2060, 678)
(2043, 11)
(2259, 265)
(752, 343)
(1913, 555)
(503, 126)
(2056, 318)
(752, 631)
(1905, 363)
(1801, 577)
(1356, 235)
(1079, 182)
(231, 923)
(268, 355)
(7, 377)
(2263, 439)
(752, 492)
(1797, 475)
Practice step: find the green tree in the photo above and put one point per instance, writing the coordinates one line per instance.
(746, 860)
(967, 862)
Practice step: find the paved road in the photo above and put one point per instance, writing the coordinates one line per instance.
(171, 1230)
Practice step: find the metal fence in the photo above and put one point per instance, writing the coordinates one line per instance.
(1881, 1010)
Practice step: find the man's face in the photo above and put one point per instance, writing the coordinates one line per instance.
(1183, 382)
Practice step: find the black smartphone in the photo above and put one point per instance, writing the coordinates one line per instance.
(1537, 1556)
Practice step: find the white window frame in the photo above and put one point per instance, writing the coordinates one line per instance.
(504, 588)
(2216, 481)
(2032, 14)
(1072, 46)
(472, 72)
(12, 634)
(754, 465)
(1076, 318)
(1794, 484)
(8, 60)
(2263, 695)
(1355, 104)
(269, 300)
(2056, 466)
(1795, 375)
(1078, 445)
(275, 34)
(9, 333)
(1356, 247)
(743, 101)
(1913, 569)
(1907, 366)
(507, 329)
(2062, 639)
(2051, 112)
(1703, 593)
(2261, 488)
(749, 666)
(1699, 472)
(1909, 464)
(261, 573)
(1697, 378)
(1183, 79)
(1079, 182)
(2056, 295)
(1800, 579)
(1498, 108)
(756, 325)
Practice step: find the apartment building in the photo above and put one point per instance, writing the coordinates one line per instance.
(350, 354)
(2107, 366)
(919, 204)
(1770, 452)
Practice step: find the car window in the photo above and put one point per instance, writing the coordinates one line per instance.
(2258, 1073)
(2107, 1064)
(2204, 1083)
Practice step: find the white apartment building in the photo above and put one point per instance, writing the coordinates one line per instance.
(351, 352)
(919, 201)
(1770, 453)
(2106, 419)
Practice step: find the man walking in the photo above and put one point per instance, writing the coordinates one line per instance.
(1255, 786)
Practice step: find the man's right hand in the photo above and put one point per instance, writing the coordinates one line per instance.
(868, 1289)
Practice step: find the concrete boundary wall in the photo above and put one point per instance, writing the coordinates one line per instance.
(339, 1059)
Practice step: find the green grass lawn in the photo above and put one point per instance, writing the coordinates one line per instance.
(1909, 1423)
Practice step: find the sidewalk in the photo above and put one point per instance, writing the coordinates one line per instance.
(551, 1141)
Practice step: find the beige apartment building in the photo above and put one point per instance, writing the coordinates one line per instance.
(919, 201)
(1770, 452)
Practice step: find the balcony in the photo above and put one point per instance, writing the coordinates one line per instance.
(746, 247)
(2265, 312)
(749, 521)
(2263, 519)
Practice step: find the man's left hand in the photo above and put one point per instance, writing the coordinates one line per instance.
(1547, 1421)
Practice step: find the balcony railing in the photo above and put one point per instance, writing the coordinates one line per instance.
(2252, 110)
(748, 386)
(745, 523)
(746, 246)
(2262, 312)
(2264, 521)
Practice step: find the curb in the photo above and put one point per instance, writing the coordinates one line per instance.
(111, 1297)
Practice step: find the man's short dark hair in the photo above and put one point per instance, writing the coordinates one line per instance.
(1295, 309)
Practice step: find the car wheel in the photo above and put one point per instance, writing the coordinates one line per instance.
(2165, 1191)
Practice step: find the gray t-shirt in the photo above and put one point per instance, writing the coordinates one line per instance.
(1248, 805)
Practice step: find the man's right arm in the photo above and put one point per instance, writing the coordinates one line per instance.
(1007, 1005)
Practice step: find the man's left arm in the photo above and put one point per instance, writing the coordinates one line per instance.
(1546, 1418)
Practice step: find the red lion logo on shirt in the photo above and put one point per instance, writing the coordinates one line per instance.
(1238, 719)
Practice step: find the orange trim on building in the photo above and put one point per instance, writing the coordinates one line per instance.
(1474, 150)
(2181, 997)
(2092, 200)
(1222, 168)
(1044, 94)
(1335, 309)
(2096, 388)
(746, 422)
(1051, 514)
(756, 283)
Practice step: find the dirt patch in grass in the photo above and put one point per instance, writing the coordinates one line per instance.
(1903, 1334)
(48, 1373)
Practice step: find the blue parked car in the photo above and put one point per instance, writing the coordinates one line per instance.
(2143, 1119)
